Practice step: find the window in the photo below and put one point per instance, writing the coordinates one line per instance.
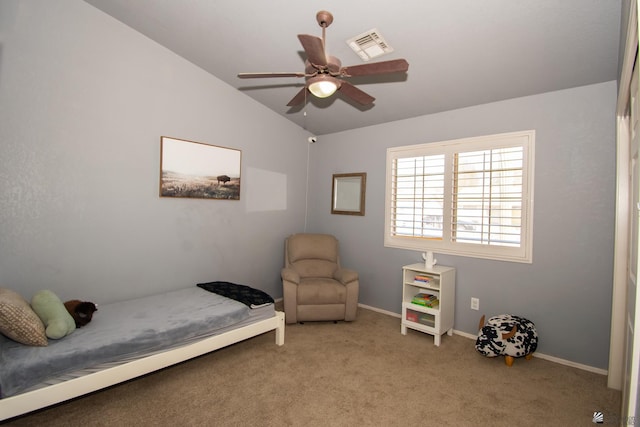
(469, 197)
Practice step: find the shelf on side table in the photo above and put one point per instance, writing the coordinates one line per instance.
(438, 281)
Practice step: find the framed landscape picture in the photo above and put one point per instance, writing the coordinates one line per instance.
(197, 170)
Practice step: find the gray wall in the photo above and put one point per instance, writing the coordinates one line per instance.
(624, 21)
(83, 103)
(566, 291)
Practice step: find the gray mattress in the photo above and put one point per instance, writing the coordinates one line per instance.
(122, 331)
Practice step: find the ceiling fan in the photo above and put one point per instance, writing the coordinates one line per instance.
(324, 74)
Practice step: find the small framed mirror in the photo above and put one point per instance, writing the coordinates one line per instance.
(347, 194)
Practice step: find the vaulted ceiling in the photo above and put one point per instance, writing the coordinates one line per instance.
(460, 52)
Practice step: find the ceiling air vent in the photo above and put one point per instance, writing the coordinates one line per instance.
(369, 45)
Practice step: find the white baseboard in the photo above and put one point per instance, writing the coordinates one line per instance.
(538, 355)
(388, 313)
(549, 358)
(572, 364)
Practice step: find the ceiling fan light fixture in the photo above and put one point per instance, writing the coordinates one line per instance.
(323, 86)
(324, 73)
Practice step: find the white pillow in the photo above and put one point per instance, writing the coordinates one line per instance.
(18, 321)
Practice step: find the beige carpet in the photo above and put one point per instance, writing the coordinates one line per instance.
(363, 373)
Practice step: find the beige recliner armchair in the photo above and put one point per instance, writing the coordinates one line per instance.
(315, 286)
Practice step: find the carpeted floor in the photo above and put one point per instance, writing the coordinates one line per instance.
(363, 373)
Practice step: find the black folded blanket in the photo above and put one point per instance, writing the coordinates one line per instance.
(245, 294)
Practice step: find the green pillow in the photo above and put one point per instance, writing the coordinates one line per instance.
(57, 321)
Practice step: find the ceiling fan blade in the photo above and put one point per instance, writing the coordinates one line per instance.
(260, 75)
(298, 99)
(356, 94)
(384, 67)
(314, 49)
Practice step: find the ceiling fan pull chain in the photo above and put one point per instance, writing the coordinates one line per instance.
(304, 113)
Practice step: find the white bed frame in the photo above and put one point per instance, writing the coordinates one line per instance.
(30, 401)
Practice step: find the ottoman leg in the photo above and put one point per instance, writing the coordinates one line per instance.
(529, 356)
(508, 360)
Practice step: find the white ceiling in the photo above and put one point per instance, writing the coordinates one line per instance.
(460, 52)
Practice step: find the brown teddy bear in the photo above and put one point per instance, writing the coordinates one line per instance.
(81, 311)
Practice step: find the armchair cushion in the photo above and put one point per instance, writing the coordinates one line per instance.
(345, 275)
(321, 291)
(290, 275)
(313, 255)
(313, 246)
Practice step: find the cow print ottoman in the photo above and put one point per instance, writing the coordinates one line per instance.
(508, 335)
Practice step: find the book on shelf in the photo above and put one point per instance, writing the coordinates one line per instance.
(425, 296)
(425, 300)
(433, 304)
(421, 278)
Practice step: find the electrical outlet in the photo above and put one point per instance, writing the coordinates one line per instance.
(475, 304)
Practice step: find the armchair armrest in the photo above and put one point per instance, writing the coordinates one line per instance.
(345, 275)
(290, 275)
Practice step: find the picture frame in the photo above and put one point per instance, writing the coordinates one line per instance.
(196, 170)
(348, 193)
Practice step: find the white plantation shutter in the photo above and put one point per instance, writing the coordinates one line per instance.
(487, 196)
(419, 195)
(470, 197)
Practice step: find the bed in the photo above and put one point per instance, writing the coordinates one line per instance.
(129, 339)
